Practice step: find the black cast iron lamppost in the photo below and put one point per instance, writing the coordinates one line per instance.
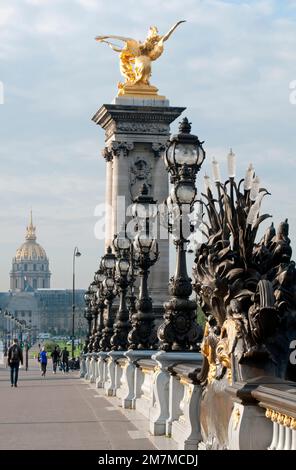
(121, 325)
(183, 158)
(142, 334)
(88, 317)
(100, 305)
(76, 254)
(94, 309)
(108, 266)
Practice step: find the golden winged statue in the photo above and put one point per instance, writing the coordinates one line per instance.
(136, 57)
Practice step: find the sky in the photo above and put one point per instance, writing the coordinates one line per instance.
(231, 64)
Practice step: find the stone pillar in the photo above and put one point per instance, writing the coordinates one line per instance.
(135, 134)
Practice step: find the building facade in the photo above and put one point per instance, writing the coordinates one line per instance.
(30, 266)
(30, 297)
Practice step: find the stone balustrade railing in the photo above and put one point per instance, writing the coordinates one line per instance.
(164, 387)
(279, 402)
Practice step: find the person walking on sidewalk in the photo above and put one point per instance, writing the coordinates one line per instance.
(55, 355)
(65, 360)
(14, 358)
(43, 361)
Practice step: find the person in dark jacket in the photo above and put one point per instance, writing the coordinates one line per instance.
(43, 361)
(14, 358)
(55, 356)
(65, 360)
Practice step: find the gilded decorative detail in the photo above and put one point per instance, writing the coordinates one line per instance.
(216, 350)
(280, 418)
(135, 61)
(236, 419)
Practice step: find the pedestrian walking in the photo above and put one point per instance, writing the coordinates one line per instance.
(14, 358)
(65, 360)
(43, 361)
(55, 356)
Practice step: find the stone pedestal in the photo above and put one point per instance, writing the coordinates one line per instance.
(135, 133)
(100, 380)
(159, 414)
(111, 382)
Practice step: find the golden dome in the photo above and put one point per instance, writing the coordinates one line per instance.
(30, 250)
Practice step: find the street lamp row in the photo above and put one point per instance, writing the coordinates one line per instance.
(133, 327)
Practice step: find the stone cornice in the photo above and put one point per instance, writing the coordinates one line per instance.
(128, 119)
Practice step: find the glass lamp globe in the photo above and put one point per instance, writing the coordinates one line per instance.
(143, 242)
(185, 192)
(93, 287)
(123, 243)
(123, 266)
(99, 276)
(186, 153)
(109, 260)
(87, 296)
(109, 283)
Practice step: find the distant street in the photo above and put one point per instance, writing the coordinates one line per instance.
(61, 412)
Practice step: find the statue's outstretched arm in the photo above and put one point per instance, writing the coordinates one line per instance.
(170, 32)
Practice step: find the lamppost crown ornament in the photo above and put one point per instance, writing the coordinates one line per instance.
(185, 126)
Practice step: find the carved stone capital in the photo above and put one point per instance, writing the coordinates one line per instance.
(158, 149)
(120, 148)
(107, 154)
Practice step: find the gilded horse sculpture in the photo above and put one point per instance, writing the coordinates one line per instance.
(136, 57)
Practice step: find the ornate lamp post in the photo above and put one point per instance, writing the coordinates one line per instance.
(88, 317)
(108, 266)
(99, 279)
(94, 310)
(76, 254)
(183, 158)
(121, 325)
(132, 279)
(142, 334)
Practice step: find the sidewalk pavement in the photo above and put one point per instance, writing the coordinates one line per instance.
(61, 412)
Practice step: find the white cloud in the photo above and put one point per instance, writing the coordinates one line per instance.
(231, 64)
(7, 15)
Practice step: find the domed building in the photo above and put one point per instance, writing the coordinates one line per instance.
(30, 266)
(30, 297)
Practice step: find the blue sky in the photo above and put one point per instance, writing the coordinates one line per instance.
(231, 65)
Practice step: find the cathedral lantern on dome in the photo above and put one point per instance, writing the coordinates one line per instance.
(30, 266)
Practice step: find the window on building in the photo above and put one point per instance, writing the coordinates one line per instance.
(34, 283)
(25, 267)
(42, 267)
(34, 267)
(16, 283)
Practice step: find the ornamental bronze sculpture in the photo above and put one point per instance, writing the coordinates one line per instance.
(246, 288)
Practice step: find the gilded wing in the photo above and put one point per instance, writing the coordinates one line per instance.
(131, 44)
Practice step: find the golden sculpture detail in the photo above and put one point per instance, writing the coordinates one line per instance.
(135, 61)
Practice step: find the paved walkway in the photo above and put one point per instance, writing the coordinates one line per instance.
(61, 412)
